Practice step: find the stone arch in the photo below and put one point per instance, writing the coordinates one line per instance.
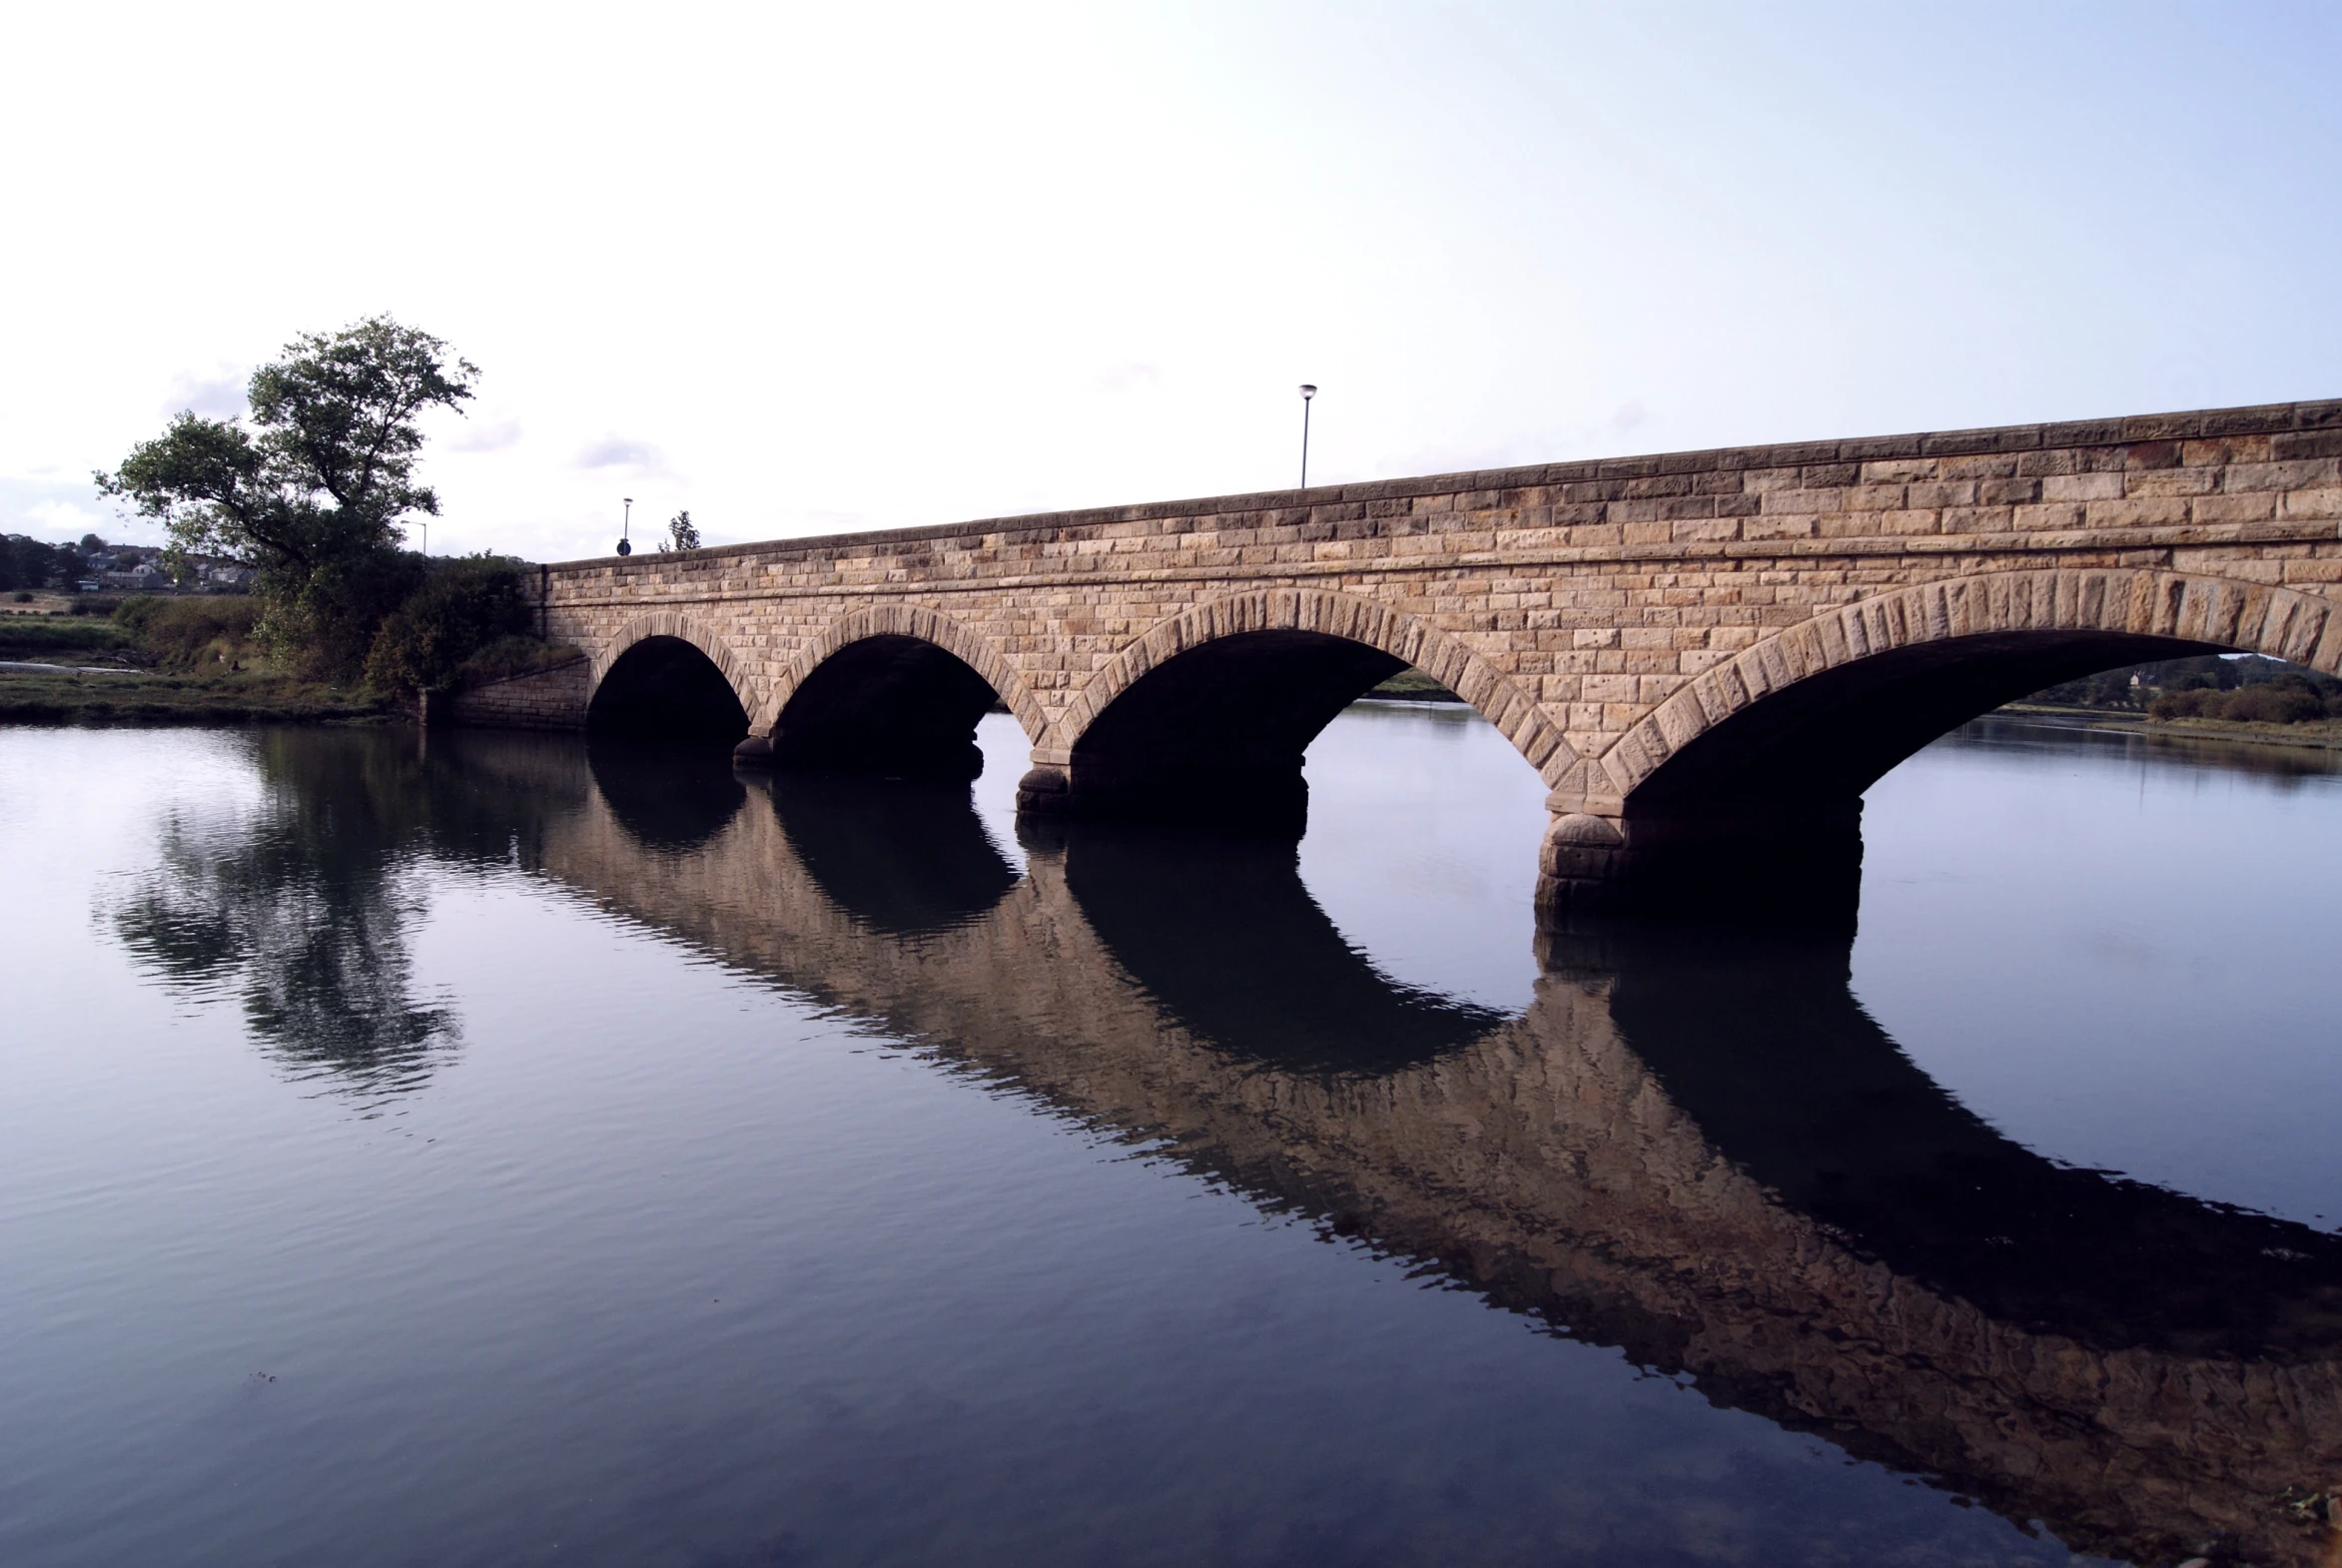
(664, 675)
(1349, 617)
(2086, 608)
(669, 623)
(914, 621)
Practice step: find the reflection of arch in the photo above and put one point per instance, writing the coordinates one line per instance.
(924, 625)
(1345, 617)
(1220, 931)
(667, 802)
(1756, 1034)
(1906, 666)
(1699, 1150)
(904, 857)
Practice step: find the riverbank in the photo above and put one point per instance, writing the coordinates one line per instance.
(98, 696)
(1410, 685)
(2318, 735)
(176, 661)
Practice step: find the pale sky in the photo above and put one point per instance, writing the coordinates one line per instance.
(811, 269)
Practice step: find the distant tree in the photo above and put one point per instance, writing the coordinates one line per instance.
(681, 535)
(33, 564)
(311, 494)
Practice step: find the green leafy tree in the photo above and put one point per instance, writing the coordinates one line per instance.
(681, 534)
(312, 492)
(464, 606)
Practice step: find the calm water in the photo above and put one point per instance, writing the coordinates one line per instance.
(492, 1154)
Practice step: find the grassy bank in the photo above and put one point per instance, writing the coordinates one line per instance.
(1412, 685)
(2322, 734)
(74, 641)
(43, 697)
(196, 660)
(174, 662)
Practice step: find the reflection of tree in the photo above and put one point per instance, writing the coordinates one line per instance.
(302, 908)
(312, 935)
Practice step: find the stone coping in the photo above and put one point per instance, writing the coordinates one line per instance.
(2197, 424)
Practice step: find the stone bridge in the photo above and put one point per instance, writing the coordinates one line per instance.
(1701, 1150)
(1702, 653)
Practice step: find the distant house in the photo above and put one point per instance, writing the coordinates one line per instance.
(138, 579)
(231, 578)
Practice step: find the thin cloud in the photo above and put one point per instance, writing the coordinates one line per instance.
(615, 452)
(64, 509)
(64, 519)
(1125, 377)
(218, 395)
(489, 437)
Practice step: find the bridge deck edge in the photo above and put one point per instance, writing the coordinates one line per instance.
(2191, 424)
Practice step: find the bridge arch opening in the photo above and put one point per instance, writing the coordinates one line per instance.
(895, 705)
(1833, 734)
(1219, 732)
(664, 688)
(1753, 775)
(1207, 715)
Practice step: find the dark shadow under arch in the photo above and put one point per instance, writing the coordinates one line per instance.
(905, 857)
(1219, 930)
(1219, 731)
(1836, 733)
(892, 705)
(666, 798)
(666, 690)
(1758, 1036)
(1768, 801)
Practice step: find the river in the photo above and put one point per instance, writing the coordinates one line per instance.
(474, 1148)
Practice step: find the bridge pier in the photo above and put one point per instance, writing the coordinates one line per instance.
(1798, 861)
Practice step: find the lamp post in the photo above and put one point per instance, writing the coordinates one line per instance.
(1308, 391)
(626, 529)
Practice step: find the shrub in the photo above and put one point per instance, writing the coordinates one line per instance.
(509, 656)
(2277, 702)
(184, 635)
(41, 636)
(327, 622)
(2288, 699)
(463, 607)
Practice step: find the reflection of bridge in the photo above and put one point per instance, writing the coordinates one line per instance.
(1705, 1154)
(1711, 649)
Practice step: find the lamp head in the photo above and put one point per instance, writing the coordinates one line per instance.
(1308, 391)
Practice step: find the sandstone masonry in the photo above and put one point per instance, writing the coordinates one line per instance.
(1604, 614)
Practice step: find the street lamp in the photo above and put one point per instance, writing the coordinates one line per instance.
(626, 527)
(1308, 391)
